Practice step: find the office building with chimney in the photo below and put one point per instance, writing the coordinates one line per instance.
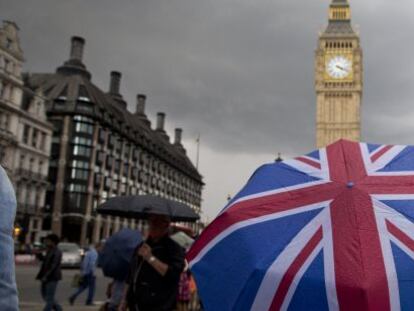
(25, 136)
(100, 150)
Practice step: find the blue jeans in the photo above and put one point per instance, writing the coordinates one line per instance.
(116, 295)
(89, 281)
(48, 294)
(8, 291)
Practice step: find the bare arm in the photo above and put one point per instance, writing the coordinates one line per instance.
(146, 253)
(158, 265)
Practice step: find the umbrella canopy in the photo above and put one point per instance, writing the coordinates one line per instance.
(327, 231)
(140, 206)
(188, 231)
(182, 239)
(115, 257)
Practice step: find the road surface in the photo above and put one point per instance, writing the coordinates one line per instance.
(29, 288)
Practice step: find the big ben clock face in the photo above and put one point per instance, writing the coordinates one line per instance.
(339, 67)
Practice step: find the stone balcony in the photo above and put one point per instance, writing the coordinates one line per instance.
(28, 175)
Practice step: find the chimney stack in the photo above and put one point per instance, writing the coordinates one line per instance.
(76, 48)
(178, 135)
(160, 121)
(115, 82)
(140, 108)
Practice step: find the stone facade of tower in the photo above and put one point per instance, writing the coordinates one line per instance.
(338, 78)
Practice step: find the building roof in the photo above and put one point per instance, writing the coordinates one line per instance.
(71, 91)
(339, 28)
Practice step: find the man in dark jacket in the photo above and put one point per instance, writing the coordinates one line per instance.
(155, 270)
(50, 273)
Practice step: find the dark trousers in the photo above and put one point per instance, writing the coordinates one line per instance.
(48, 290)
(88, 282)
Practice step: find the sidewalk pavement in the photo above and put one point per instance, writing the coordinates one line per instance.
(33, 306)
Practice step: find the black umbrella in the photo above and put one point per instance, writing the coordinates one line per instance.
(140, 206)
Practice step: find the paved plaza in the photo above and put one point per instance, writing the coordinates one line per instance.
(29, 289)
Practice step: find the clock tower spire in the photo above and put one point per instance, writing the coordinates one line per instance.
(338, 78)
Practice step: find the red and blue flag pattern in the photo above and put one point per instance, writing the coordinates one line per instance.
(332, 230)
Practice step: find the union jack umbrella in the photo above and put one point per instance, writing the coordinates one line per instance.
(332, 230)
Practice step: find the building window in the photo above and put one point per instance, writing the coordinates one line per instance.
(84, 128)
(77, 200)
(109, 162)
(135, 154)
(82, 146)
(4, 121)
(83, 151)
(126, 168)
(127, 147)
(124, 189)
(100, 157)
(26, 131)
(31, 163)
(107, 183)
(80, 164)
(117, 166)
(83, 124)
(118, 146)
(97, 180)
(52, 173)
(34, 138)
(79, 174)
(80, 170)
(111, 141)
(115, 185)
(134, 173)
(76, 188)
(101, 136)
(27, 196)
(83, 119)
(43, 142)
(54, 151)
(82, 141)
(37, 202)
(84, 105)
(22, 160)
(7, 65)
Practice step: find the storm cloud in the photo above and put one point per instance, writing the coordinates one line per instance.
(237, 72)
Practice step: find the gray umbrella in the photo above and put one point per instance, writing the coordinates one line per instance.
(182, 239)
(140, 206)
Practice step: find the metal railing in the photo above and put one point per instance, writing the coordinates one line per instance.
(29, 209)
(28, 174)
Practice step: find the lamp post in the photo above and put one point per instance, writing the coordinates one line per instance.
(17, 231)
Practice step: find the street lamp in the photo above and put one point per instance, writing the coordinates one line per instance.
(17, 231)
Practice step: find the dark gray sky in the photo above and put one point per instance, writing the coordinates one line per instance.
(239, 72)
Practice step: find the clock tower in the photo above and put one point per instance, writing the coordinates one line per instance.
(338, 78)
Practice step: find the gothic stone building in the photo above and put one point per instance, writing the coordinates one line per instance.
(25, 135)
(338, 78)
(100, 150)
